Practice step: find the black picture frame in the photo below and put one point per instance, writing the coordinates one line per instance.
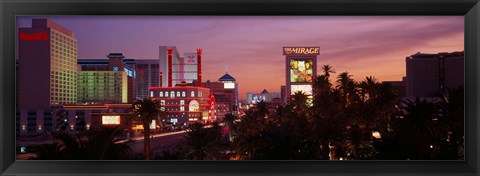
(9, 9)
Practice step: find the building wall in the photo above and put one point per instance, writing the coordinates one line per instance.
(148, 75)
(46, 75)
(102, 87)
(253, 98)
(423, 73)
(163, 62)
(177, 107)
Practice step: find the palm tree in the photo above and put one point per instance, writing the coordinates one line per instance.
(453, 107)
(368, 88)
(347, 87)
(262, 109)
(327, 69)
(99, 144)
(418, 128)
(203, 143)
(146, 111)
(299, 101)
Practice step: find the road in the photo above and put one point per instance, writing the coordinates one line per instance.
(160, 142)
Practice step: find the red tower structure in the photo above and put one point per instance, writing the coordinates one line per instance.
(199, 67)
(170, 55)
(161, 78)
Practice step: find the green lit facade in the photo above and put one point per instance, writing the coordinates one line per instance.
(102, 87)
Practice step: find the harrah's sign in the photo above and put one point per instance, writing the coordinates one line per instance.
(301, 50)
(36, 36)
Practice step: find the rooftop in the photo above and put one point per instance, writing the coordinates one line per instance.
(226, 77)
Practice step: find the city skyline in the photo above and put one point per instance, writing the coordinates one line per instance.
(252, 46)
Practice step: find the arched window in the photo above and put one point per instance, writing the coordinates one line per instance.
(183, 94)
(192, 94)
(161, 94)
(172, 94)
(178, 94)
(166, 94)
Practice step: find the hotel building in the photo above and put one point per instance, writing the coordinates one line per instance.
(148, 75)
(176, 69)
(109, 80)
(47, 56)
(226, 94)
(254, 98)
(184, 103)
(429, 75)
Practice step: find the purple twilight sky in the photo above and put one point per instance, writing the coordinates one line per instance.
(252, 45)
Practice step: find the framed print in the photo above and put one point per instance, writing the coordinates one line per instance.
(312, 87)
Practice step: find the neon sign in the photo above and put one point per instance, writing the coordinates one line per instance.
(36, 36)
(301, 50)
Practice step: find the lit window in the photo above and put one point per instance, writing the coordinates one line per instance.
(166, 94)
(161, 94)
(151, 93)
(192, 94)
(162, 102)
(182, 102)
(178, 94)
(182, 108)
(183, 94)
(172, 94)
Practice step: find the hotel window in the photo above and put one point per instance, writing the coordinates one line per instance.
(182, 102)
(172, 94)
(166, 94)
(178, 94)
(192, 94)
(151, 93)
(183, 94)
(182, 108)
(161, 94)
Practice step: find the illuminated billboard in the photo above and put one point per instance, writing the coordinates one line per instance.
(111, 120)
(194, 106)
(301, 70)
(229, 85)
(306, 89)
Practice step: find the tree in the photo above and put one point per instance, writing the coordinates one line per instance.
(418, 128)
(99, 144)
(145, 111)
(347, 87)
(229, 121)
(299, 101)
(453, 109)
(327, 69)
(203, 143)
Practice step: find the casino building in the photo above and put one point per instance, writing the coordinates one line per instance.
(185, 103)
(47, 57)
(300, 69)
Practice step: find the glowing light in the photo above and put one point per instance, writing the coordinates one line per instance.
(111, 120)
(376, 135)
(229, 85)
